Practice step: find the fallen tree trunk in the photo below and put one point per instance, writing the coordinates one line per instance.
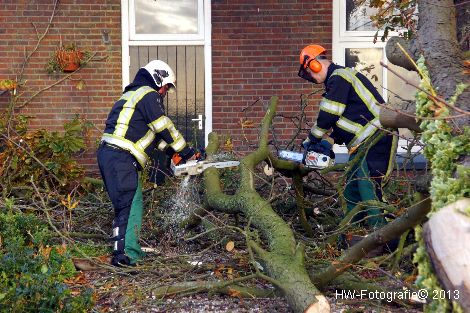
(447, 239)
(281, 256)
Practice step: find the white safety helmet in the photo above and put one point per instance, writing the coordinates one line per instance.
(162, 74)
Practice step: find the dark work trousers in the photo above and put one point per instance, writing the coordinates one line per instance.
(119, 170)
(366, 179)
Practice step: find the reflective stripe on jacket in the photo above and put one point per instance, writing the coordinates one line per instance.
(137, 124)
(349, 107)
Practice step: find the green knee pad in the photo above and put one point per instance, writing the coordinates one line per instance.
(134, 224)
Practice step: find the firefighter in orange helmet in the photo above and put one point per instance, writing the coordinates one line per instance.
(349, 113)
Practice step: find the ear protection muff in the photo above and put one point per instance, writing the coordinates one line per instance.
(315, 66)
(309, 57)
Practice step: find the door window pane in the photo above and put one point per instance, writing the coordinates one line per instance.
(166, 16)
(400, 94)
(358, 17)
(398, 90)
(367, 61)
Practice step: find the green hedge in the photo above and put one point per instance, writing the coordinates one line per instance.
(32, 270)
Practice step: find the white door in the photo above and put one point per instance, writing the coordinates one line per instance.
(177, 32)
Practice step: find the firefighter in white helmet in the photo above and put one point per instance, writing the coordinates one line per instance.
(136, 126)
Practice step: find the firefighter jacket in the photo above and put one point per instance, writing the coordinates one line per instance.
(349, 107)
(137, 122)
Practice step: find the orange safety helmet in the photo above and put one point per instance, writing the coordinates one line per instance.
(308, 57)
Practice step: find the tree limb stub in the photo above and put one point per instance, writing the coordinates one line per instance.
(396, 56)
(393, 119)
(283, 259)
(393, 230)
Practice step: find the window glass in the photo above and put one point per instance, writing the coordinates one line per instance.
(366, 61)
(358, 17)
(400, 94)
(166, 17)
(398, 90)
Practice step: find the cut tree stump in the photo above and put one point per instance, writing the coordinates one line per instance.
(447, 238)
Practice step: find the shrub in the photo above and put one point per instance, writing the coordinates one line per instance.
(32, 273)
(44, 156)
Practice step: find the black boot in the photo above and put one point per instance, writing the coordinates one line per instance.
(121, 260)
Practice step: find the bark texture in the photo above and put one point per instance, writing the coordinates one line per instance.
(397, 57)
(436, 39)
(393, 119)
(437, 33)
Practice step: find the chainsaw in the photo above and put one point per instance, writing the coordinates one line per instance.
(313, 159)
(196, 167)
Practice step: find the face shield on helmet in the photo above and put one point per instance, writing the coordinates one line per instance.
(305, 74)
(308, 59)
(162, 74)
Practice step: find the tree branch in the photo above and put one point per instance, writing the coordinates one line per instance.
(393, 230)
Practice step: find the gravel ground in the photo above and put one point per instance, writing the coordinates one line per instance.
(171, 263)
(220, 304)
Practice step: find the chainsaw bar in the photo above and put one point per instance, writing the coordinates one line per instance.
(195, 167)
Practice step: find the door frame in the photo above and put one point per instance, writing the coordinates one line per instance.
(342, 39)
(206, 42)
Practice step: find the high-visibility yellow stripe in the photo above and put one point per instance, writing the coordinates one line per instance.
(173, 132)
(163, 123)
(366, 96)
(145, 141)
(162, 145)
(122, 123)
(128, 145)
(364, 133)
(160, 124)
(332, 107)
(317, 131)
(126, 96)
(178, 144)
(349, 126)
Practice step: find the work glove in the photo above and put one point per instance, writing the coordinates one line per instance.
(183, 156)
(309, 141)
(323, 146)
(326, 148)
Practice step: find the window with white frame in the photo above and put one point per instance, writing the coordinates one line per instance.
(353, 46)
(166, 20)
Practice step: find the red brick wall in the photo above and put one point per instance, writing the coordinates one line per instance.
(81, 22)
(255, 48)
(255, 56)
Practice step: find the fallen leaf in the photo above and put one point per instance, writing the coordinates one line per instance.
(45, 251)
(229, 246)
(234, 293)
(230, 273)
